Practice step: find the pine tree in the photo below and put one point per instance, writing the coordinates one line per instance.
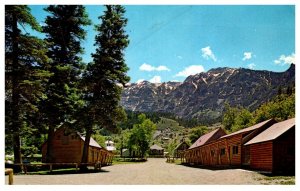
(105, 77)
(25, 73)
(64, 33)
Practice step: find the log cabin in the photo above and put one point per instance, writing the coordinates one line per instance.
(195, 154)
(230, 147)
(273, 150)
(267, 146)
(218, 148)
(68, 148)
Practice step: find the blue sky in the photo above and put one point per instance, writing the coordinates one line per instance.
(168, 43)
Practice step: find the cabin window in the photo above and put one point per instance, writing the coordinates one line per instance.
(73, 137)
(222, 151)
(58, 137)
(65, 140)
(235, 150)
(212, 152)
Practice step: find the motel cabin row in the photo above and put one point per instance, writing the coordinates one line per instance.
(267, 146)
(68, 148)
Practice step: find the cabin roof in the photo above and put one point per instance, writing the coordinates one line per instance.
(273, 132)
(204, 139)
(156, 147)
(184, 142)
(93, 143)
(256, 126)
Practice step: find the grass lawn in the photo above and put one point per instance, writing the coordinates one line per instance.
(117, 161)
(282, 180)
(176, 161)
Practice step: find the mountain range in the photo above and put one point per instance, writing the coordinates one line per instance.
(203, 95)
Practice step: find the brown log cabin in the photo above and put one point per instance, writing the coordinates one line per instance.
(233, 152)
(68, 148)
(196, 154)
(261, 154)
(273, 150)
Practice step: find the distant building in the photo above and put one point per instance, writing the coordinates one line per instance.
(110, 146)
(180, 149)
(156, 151)
(125, 153)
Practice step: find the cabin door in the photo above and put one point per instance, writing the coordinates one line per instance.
(230, 154)
(246, 155)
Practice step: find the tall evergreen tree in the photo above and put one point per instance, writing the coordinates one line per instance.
(64, 33)
(105, 77)
(25, 73)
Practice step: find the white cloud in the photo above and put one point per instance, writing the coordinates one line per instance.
(251, 66)
(247, 56)
(191, 70)
(155, 79)
(162, 68)
(140, 80)
(208, 54)
(277, 61)
(286, 59)
(149, 68)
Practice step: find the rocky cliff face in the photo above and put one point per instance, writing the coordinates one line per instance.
(203, 95)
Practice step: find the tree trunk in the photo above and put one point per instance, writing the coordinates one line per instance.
(16, 116)
(121, 151)
(50, 155)
(17, 148)
(85, 152)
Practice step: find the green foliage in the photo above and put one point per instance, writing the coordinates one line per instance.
(122, 140)
(132, 118)
(26, 72)
(166, 123)
(282, 107)
(29, 150)
(64, 33)
(141, 135)
(171, 146)
(229, 117)
(197, 132)
(99, 139)
(236, 118)
(138, 141)
(189, 123)
(104, 78)
(243, 119)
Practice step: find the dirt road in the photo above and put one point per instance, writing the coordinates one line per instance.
(154, 171)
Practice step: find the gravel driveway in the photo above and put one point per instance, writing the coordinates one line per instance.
(154, 171)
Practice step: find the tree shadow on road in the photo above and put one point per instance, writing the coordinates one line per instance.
(67, 171)
(214, 168)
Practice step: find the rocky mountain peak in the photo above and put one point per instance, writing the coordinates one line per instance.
(203, 95)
